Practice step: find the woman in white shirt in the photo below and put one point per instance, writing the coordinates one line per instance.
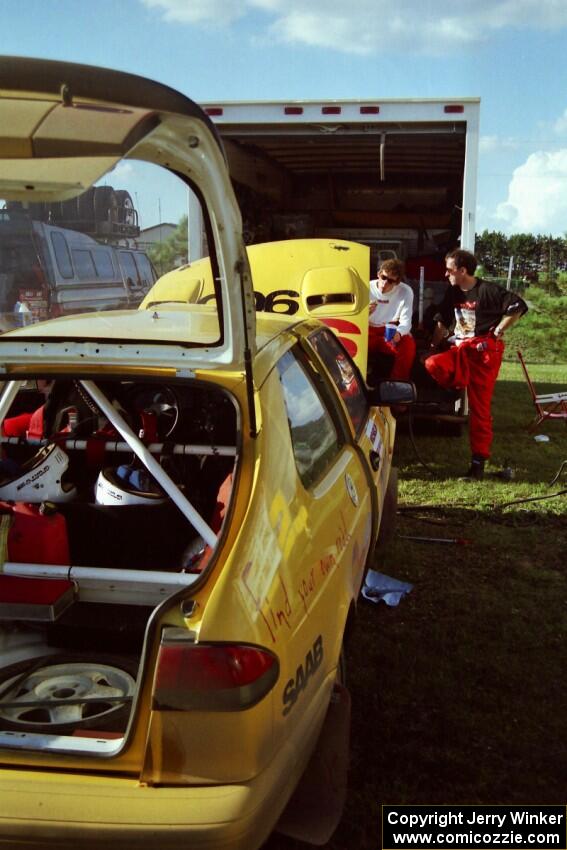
(391, 306)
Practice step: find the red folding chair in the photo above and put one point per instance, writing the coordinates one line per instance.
(547, 405)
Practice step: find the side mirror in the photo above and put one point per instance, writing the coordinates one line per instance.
(393, 392)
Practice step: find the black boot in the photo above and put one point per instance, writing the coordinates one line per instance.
(476, 469)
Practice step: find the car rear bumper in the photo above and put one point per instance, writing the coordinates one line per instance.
(46, 810)
(49, 809)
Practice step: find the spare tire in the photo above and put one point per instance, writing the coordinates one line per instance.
(85, 206)
(126, 212)
(104, 203)
(58, 694)
(69, 211)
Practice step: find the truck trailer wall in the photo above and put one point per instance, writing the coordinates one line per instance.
(396, 175)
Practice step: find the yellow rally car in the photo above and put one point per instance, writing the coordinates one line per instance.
(189, 491)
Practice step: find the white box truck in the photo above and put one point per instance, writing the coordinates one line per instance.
(399, 175)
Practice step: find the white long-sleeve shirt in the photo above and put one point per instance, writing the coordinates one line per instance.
(396, 305)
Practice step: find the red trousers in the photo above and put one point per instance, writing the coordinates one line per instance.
(403, 352)
(475, 365)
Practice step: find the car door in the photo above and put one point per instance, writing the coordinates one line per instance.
(321, 512)
(371, 428)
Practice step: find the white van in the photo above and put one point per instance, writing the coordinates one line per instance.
(48, 271)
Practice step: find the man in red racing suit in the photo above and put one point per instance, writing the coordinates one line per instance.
(480, 312)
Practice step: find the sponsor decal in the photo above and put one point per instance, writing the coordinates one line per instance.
(295, 686)
(341, 327)
(351, 489)
(374, 436)
(31, 479)
(57, 459)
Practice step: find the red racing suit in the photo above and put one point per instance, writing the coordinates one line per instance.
(403, 351)
(473, 364)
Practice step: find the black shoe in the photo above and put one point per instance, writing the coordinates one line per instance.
(476, 470)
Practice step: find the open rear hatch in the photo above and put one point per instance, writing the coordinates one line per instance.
(99, 526)
(119, 438)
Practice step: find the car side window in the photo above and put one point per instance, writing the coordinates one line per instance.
(344, 374)
(84, 264)
(144, 269)
(313, 434)
(129, 267)
(103, 263)
(62, 255)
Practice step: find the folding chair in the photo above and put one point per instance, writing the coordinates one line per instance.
(547, 405)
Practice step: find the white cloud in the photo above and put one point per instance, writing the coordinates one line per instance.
(537, 195)
(123, 171)
(489, 144)
(364, 26)
(560, 125)
(199, 11)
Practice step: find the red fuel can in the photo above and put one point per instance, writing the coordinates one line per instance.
(37, 535)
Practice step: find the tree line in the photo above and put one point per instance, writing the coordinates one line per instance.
(533, 255)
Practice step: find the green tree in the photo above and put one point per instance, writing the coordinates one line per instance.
(492, 251)
(173, 251)
(524, 248)
(538, 258)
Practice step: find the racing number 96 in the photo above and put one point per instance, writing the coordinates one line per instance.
(276, 302)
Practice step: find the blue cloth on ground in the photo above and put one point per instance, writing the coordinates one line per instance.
(377, 586)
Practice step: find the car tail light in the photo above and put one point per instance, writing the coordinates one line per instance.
(211, 676)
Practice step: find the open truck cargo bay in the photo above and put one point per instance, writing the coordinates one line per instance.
(396, 174)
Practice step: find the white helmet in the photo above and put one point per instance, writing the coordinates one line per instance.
(40, 479)
(127, 486)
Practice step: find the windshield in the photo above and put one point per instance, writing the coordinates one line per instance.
(98, 256)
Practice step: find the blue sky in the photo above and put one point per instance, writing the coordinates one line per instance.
(510, 53)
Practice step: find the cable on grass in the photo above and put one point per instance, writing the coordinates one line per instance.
(558, 474)
(555, 478)
(498, 507)
(444, 511)
(417, 454)
(410, 508)
(432, 520)
(495, 506)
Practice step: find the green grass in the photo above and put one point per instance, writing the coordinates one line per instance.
(540, 333)
(459, 693)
